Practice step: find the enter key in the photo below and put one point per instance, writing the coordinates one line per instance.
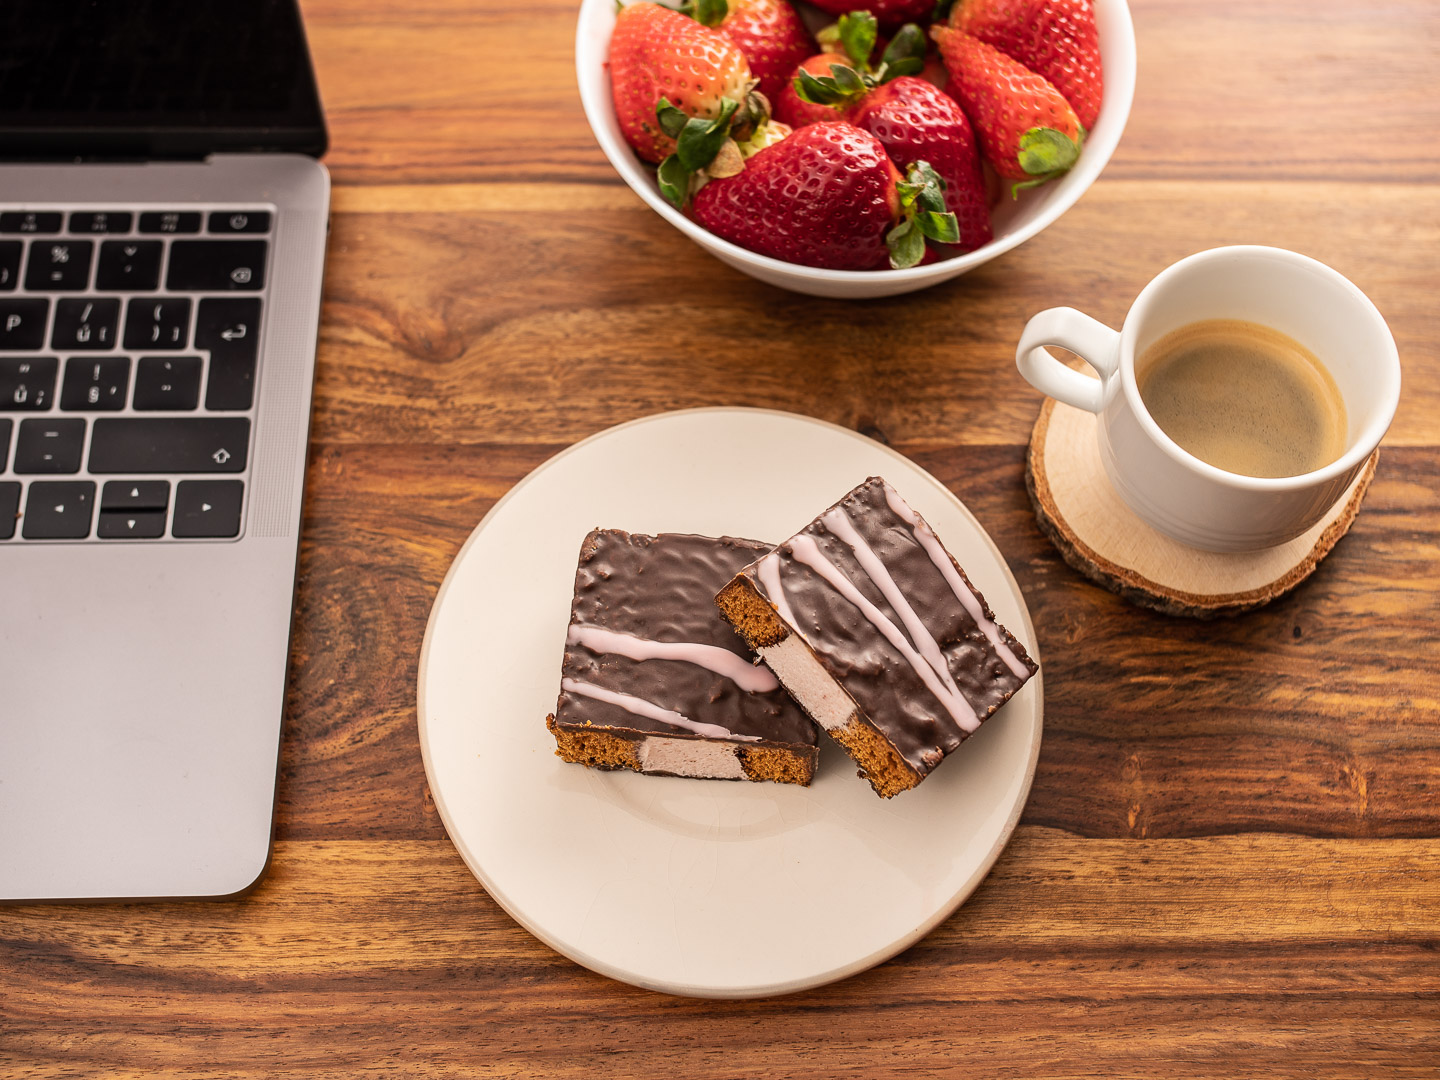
(230, 330)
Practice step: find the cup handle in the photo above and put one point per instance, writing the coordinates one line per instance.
(1069, 329)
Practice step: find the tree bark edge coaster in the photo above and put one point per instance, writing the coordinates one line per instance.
(1102, 538)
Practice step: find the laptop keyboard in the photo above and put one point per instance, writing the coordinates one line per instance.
(129, 353)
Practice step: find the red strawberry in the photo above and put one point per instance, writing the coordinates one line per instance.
(657, 53)
(915, 121)
(769, 33)
(826, 196)
(828, 87)
(792, 109)
(1027, 129)
(1053, 38)
(888, 13)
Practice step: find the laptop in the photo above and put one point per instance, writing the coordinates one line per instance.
(162, 237)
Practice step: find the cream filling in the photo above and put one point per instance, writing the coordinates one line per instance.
(807, 681)
(690, 757)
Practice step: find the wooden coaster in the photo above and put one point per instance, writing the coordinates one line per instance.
(1103, 539)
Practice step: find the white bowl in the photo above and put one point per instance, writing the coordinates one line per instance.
(1015, 221)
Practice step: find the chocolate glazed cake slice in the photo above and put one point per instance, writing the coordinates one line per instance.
(876, 631)
(654, 680)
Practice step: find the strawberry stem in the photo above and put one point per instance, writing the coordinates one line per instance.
(841, 86)
(854, 35)
(905, 55)
(706, 12)
(697, 142)
(922, 206)
(1045, 154)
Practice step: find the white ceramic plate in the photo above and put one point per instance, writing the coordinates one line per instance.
(700, 887)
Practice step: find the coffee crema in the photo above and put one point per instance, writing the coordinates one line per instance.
(1244, 398)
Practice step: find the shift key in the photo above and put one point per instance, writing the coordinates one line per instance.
(169, 445)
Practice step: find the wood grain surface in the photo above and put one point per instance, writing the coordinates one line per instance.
(1230, 862)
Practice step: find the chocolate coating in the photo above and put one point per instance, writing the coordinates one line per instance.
(876, 675)
(662, 588)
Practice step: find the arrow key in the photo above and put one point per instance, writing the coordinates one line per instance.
(131, 524)
(208, 508)
(58, 510)
(131, 495)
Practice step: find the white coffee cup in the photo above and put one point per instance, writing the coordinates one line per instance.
(1174, 491)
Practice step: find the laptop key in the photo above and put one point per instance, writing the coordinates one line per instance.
(10, 252)
(9, 507)
(169, 445)
(129, 265)
(59, 265)
(230, 329)
(130, 524)
(22, 324)
(216, 265)
(129, 495)
(27, 384)
(5, 426)
(157, 324)
(240, 221)
(29, 221)
(58, 510)
(207, 509)
(49, 446)
(97, 384)
(167, 383)
(170, 221)
(85, 324)
(101, 221)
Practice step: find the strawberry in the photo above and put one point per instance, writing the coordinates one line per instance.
(828, 196)
(1053, 38)
(656, 54)
(794, 110)
(830, 86)
(769, 32)
(888, 13)
(915, 121)
(1027, 129)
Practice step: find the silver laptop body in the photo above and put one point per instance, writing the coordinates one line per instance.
(142, 681)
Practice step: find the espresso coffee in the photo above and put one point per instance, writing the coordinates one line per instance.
(1244, 398)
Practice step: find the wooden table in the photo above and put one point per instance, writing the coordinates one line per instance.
(1230, 861)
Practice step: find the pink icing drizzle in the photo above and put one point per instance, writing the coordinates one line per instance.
(651, 711)
(931, 543)
(751, 679)
(839, 523)
(808, 552)
(768, 571)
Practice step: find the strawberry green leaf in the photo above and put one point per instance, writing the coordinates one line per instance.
(701, 139)
(922, 188)
(941, 227)
(674, 180)
(672, 120)
(858, 31)
(848, 79)
(1045, 152)
(843, 84)
(908, 66)
(906, 244)
(942, 10)
(707, 12)
(922, 202)
(907, 44)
